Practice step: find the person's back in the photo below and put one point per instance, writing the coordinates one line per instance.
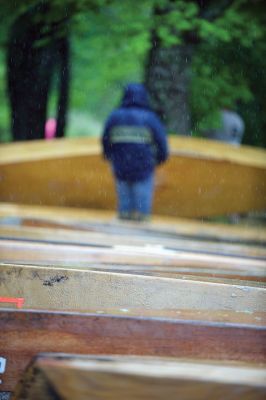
(134, 141)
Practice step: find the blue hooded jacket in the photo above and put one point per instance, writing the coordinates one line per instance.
(134, 140)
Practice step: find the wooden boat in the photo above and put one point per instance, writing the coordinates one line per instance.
(26, 333)
(75, 377)
(202, 178)
(93, 285)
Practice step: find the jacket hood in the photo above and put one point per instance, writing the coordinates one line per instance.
(135, 94)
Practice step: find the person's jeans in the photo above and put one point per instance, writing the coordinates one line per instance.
(135, 198)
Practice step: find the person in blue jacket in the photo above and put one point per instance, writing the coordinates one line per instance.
(135, 142)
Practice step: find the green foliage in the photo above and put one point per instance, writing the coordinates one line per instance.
(232, 76)
(239, 25)
(181, 18)
(103, 61)
(4, 110)
(110, 44)
(233, 23)
(215, 85)
(229, 70)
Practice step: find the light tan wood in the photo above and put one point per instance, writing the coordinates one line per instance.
(63, 257)
(92, 219)
(117, 238)
(147, 260)
(200, 179)
(74, 289)
(152, 259)
(185, 271)
(66, 254)
(179, 145)
(81, 378)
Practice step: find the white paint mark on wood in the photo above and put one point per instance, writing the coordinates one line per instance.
(2, 365)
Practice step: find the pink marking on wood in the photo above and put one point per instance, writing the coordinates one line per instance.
(19, 301)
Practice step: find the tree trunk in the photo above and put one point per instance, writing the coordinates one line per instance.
(63, 59)
(167, 80)
(168, 69)
(31, 65)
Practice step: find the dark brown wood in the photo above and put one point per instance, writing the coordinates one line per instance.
(35, 385)
(27, 333)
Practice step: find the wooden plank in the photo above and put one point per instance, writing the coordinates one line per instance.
(145, 260)
(199, 273)
(200, 179)
(104, 221)
(76, 289)
(89, 377)
(26, 252)
(195, 272)
(163, 263)
(24, 334)
(95, 238)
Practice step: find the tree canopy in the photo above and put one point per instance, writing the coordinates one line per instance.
(111, 41)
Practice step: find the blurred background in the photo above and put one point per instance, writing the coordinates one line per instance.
(70, 59)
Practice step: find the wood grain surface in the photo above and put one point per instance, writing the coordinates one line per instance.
(46, 253)
(189, 290)
(104, 221)
(200, 179)
(51, 288)
(64, 235)
(75, 377)
(24, 334)
(147, 242)
(203, 270)
(86, 239)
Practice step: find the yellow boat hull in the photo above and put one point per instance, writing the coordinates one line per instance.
(202, 178)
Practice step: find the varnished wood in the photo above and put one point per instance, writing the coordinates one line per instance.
(24, 334)
(76, 289)
(200, 179)
(89, 377)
